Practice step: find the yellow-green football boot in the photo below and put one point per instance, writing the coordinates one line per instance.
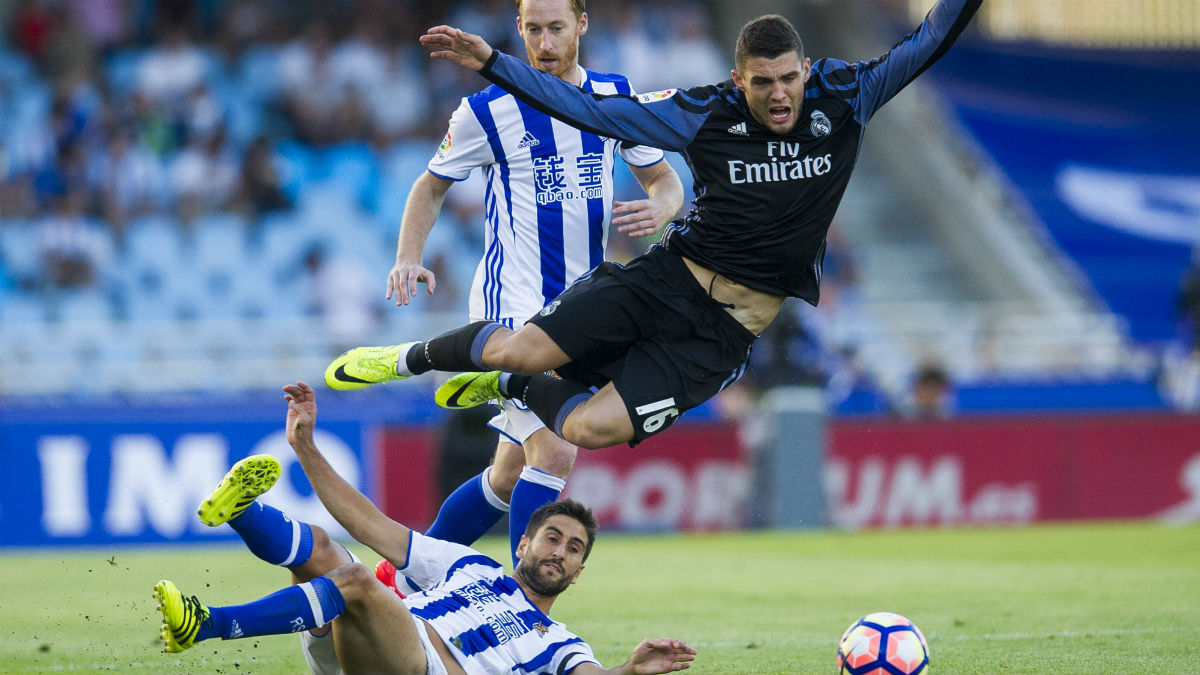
(363, 366)
(239, 488)
(467, 390)
(181, 617)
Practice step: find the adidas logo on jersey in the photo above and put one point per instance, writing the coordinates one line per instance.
(528, 141)
(739, 129)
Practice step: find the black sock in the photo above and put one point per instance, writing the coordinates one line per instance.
(513, 385)
(551, 398)
(459, 350)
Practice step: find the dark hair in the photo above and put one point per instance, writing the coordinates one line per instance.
(932, 373)
(767, 36)
(578, 7)
(569, 508)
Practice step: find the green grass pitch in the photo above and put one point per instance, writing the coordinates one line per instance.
(1063, 598)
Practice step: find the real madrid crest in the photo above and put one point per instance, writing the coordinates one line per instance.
(820, 125)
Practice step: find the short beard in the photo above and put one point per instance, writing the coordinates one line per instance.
(528, 573)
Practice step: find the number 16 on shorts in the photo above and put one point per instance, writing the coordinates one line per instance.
(655, 416)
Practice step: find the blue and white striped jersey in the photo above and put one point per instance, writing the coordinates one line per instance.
(482, 614)
(549, 194)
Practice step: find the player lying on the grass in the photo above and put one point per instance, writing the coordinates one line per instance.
(771, 152)
(473, 618)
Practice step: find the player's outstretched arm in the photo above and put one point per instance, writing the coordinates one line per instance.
(420, 214)
(459, 46)
(652, 656)
(348, 506)
(670, 126)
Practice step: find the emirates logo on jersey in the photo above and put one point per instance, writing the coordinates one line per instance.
(784, 164)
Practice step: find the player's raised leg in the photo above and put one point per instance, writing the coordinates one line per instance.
(525, 474)
(478, 346)
(534, 488)
(459, 349)
(548, 397)
(301, 607)
(470, 511)
(571, 410)
(270, 534)
(375, 628)
(479, 503)
(536, 472)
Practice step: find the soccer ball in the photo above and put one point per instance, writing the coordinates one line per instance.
(882, 643)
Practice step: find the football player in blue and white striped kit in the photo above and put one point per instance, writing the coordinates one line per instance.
(472, 618)
(548, 207)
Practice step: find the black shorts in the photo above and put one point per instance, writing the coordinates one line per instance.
(652, 330)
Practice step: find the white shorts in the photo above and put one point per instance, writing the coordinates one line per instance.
(432, 658)
(318, 651)
(322, 658)
(515, 422)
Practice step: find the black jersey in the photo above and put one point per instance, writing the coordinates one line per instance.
(764, 201)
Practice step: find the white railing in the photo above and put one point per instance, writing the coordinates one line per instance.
(103, 357)
(986, 341)
(972, 340)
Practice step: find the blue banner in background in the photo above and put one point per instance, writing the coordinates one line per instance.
(137, 476)
(1103, 148)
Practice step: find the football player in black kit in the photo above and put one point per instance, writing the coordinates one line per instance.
(771, 152)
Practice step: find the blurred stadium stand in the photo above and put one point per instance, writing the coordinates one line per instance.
(214, 209)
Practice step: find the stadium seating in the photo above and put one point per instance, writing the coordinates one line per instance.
(180, 291)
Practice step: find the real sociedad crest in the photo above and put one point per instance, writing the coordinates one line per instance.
(820, 126)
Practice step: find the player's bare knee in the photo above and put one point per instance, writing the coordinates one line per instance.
(513, 354)
(554, 455)
(509, 360)
(503, 478)
(326, 555)
(322, 544)
(354, 581)
(590, 432)
(497, 353)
